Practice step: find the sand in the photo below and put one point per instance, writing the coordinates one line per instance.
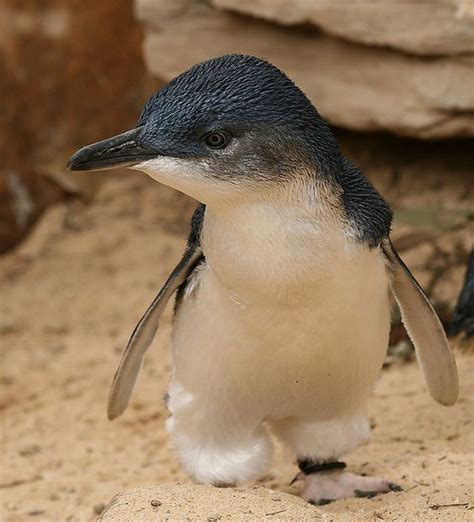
(70, 297)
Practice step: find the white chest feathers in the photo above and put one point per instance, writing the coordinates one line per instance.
(286, 301)
(262, 251)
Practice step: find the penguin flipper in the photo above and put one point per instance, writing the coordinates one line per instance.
(425, 330)
(142, 337)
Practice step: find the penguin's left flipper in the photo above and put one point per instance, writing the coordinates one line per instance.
(425, 330)
(142, 337)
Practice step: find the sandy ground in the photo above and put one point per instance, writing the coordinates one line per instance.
(71, 295)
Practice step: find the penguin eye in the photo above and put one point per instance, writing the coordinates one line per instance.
(216, 140)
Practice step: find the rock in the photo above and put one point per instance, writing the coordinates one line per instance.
(431, 28)
(353, 85)
(68, 82)
(187, 502)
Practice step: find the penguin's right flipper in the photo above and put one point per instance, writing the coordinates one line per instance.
(425, 330)
(132, 358)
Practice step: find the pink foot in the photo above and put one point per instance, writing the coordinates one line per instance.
(324, 487)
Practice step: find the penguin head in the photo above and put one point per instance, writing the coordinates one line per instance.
(231, 125)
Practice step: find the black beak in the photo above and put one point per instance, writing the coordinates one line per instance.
(120, 151)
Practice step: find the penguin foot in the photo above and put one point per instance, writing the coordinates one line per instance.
(325, 487)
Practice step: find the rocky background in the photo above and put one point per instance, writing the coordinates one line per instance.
(403, 67)
(395, 78)
(71, 72)
(399, 65)
(84, 254)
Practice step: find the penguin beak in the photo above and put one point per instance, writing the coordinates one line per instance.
(122, 150)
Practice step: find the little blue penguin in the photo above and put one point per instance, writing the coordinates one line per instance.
(282, 312)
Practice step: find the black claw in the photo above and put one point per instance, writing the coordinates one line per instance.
(365, 494)
(298, 476)
(394, 487)
(322, 502)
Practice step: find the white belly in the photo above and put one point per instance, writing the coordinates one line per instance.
(286, 324)
(310, 348)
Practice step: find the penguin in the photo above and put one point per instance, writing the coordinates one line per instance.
(282, 311)
(463, 315)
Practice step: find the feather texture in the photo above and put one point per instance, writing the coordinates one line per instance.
(425, 330)
(132, 358)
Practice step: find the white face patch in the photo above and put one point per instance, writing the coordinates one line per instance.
(188, 176)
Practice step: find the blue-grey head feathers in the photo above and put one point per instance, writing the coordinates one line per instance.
(273, 131)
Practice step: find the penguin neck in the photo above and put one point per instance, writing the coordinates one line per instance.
(276, 241)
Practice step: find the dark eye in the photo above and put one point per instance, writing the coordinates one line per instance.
(216, 140)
